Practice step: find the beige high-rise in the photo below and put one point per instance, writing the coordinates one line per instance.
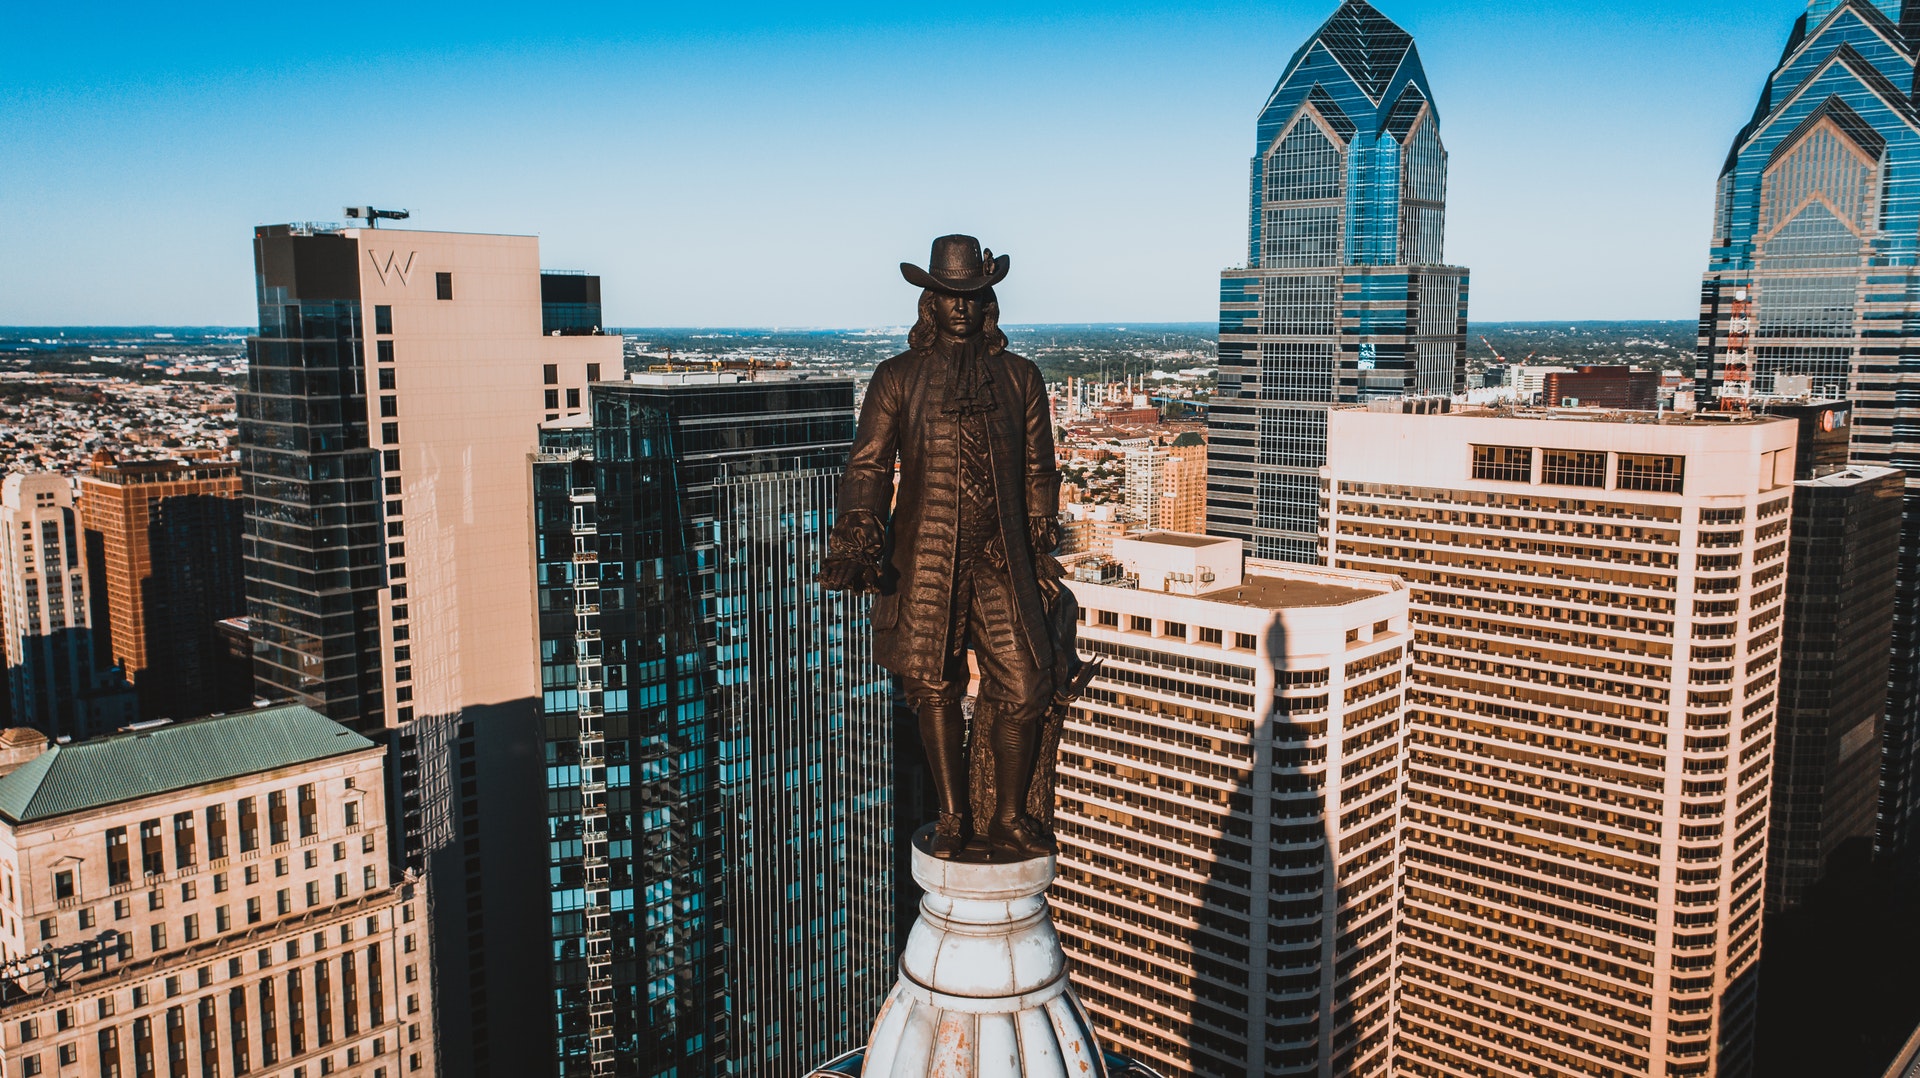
(393, 404)
(1167, 487)
(209, 898)
(46, 614)
(1227, 809)
(1596, 608)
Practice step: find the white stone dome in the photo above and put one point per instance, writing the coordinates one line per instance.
(983, 990)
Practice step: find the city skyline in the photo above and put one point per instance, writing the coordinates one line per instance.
(840, 103)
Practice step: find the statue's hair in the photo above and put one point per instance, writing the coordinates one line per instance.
(924, 331)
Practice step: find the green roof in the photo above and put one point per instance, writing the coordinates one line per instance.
(89, 774)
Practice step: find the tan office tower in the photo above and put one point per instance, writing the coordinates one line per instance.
(1167, 485)
(53, 679)
(394, 399)
(1227, 809)
(163, 540)
(1596, 606)
(211, 897)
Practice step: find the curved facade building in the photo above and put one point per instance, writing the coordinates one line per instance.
(1344, 296)
(1812, 285)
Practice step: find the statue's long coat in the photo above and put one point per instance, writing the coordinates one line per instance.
(902, 414)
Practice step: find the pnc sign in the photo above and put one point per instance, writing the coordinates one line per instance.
(392, 265)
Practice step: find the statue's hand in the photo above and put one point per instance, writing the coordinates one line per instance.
(854, 554)
(1043, 532)
(849, 575)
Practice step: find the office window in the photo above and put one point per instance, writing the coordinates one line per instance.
(443, 285)
(313, 894)
(283, 901)
(553, 398)
(1573, 467)
(1645, 471)
(382, 318)
(253, 911)
(1138, 624)
(62, 885)
(340, 886)
(49, 928)
(86, 920)
(158, 934)
(351, 812)
(151, 860)
(184, 847)
(386, 378)
(1210, 636)
(119, 866)
(593, 372)
(216, 831)
(309, 811)
(1504, 463)
(1110, 619)
(277, 817)
(190, 927)
(389, 406)
(222, 920)
(30, 1066)
(550, 374)
(573, 398)
(383, 351)
(1246, 641)
(390, 433)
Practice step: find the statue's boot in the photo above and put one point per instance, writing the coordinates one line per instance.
(1015, 737)
(943, 731)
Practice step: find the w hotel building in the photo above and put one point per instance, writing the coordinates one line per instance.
(1228, 809)
(394, 395)
(1597, 608)
(1344, 296)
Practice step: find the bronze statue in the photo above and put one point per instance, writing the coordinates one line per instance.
(962, 556)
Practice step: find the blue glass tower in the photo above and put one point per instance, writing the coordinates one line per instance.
(1813, 288)
(1344, 296)
(718, 737)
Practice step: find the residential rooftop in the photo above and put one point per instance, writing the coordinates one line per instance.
(86, 775)
(1287, 592)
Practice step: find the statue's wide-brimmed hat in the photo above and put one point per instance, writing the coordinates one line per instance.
(957, 265)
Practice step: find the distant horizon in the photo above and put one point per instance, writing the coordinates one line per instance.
(888, 327)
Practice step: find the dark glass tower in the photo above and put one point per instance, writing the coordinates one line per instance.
(1813, 286)
(718, 754)
(1344, 296)
(314, 550)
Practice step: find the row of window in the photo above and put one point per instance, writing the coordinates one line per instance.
(1580, 468)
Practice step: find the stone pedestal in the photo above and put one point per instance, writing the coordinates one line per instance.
(983, 989)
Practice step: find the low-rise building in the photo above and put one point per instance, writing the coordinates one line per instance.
(209, 898)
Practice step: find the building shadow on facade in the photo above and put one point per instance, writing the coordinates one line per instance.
(1836, 993)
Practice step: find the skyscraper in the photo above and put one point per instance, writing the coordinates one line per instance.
(1813, 278)
(717, 736)
(394, 395)
(1229, 809)
(1344, 296)
(46, 612)
(1842, 565)
(163, 538)
(1596, 608)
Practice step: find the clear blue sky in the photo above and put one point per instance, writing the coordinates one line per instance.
(740, 164)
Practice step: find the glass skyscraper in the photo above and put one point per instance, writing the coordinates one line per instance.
(718, 738)
(1813, 286)
(1344, 297)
